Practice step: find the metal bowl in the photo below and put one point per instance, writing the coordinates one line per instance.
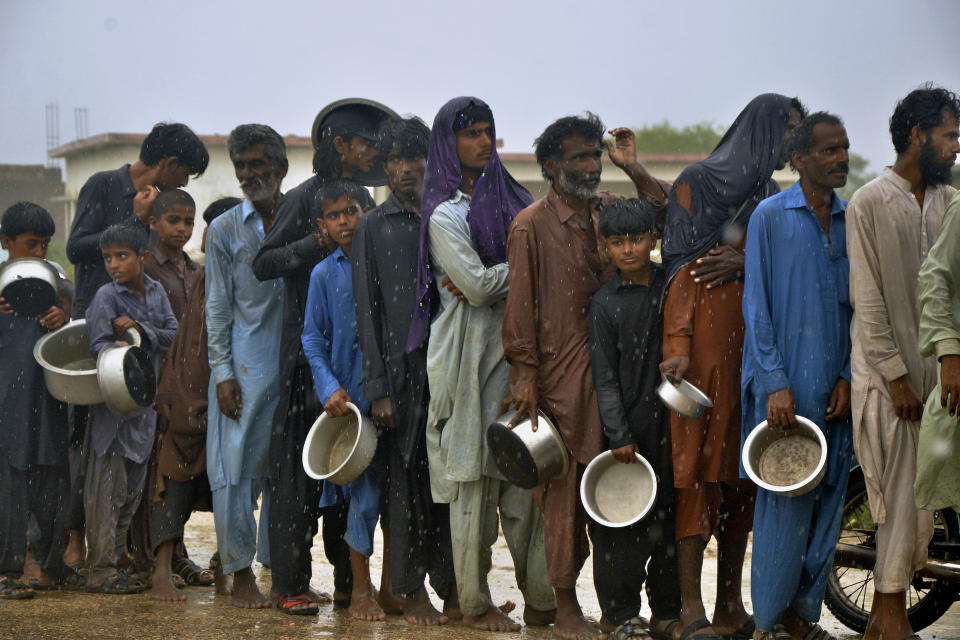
(617, 494)
(525, 457)
(126, 377)
(339, 449)
(69, 371)
(764, 435)
(29, 285)
(684, 398)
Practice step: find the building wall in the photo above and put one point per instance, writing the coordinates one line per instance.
(35, 183)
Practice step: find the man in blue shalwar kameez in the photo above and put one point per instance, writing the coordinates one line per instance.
(796, 361)
(243, 324)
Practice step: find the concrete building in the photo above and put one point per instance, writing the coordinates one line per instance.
(87, 156)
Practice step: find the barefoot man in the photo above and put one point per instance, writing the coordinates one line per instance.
(243, 326)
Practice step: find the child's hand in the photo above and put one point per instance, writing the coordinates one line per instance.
(336, 406)
(54, 318)
(5, 308)
(124, 323)
(626, 454)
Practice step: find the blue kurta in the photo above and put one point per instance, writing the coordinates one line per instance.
(797, 314)
(244, 319)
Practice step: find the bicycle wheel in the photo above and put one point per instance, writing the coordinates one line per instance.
(849, 594)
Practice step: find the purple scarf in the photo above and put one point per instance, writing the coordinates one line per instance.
(497, 198)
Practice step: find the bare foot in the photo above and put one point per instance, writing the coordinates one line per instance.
(576, 627)
(364, 606)
(161, 588)
(534, 618)
(320, 597)
(246, 595)
(222, 584)
(391, 604)
(31, 569)
(73, 554)
(417, 609)
(493, 619)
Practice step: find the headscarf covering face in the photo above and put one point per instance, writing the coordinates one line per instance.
(496, 200)
(728, 184)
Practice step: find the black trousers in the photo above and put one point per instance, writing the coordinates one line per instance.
(419, 528)
(74, 517)
(38, 491)
(625, 558)
(295, 498)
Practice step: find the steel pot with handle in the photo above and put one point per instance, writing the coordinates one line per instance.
(29, 285)
(69, 371)
(525, 457)
(125, 376)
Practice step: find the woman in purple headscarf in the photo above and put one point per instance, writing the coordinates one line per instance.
(469, 201)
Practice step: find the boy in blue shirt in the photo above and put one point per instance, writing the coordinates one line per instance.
(331, 346)
(116, 460)
(33, 424)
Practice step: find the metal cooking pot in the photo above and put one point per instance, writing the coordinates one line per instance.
(126, 377)
(764, 435)
(683, 397)
(339, 449)
(617, 494)
(525, 457)
(69, 371)
(29, 285)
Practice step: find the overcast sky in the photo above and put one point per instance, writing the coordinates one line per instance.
(216, 64)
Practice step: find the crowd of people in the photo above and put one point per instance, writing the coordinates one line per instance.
(461, 298)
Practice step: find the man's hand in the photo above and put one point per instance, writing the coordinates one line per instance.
(780, 409)
(623, 148)
(336, 406)
(674, 368)
(230, 399)
(523, 393)
(143, 202)
(382, 411)
(5, 307)
(906, 404)
(122, 324)
(626, 454)
(54, 318)
(719, 266)
(949, 384)
(839, 406)
(447, 284)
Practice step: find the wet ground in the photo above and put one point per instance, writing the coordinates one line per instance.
(204, 616)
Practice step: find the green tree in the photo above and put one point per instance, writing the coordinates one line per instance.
(857, 177)
(663, 138)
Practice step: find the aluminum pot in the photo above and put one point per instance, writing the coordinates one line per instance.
(763, 435)
(126, 377)
(339, 449)
(617, 494)
(683, 397)
(525, 457)
(69, 371)
(29, 285)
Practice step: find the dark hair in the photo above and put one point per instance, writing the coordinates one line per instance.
(219, 207)
(326, 161)
(471, 115)
(404, 137)
(169, 198)
(796, 104)
(801, 138)
(550, 143)
(922, 108)
(626, 217)
(338, 188)
(27, 217)
(124, 234)
(172, 139)
(246, 135)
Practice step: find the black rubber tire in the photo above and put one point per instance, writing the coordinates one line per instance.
(925, 606)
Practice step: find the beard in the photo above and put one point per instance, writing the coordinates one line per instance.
(575, 184)
(935, 172)
(260, 189)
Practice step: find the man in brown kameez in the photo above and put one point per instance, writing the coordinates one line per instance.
(707, 215)
(555, 268)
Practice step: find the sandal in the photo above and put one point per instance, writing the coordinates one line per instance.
(663, 629)
(118, 585)
(816, 632)
(11, 589)
(192, 574)
(36, 585)
(297, 606)
(698, 625)
(632, 629)
(779, 632)
(745, 632)
(75, 580)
